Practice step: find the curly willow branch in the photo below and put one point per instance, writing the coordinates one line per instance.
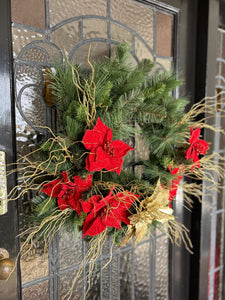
(33, 170)
(88, 91)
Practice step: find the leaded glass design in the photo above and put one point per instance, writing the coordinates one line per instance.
(70, 27)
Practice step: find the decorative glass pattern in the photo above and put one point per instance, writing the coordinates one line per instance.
(136, 16)
(22, 36)
(80, 54)
(66, 37)
(69, 244)
(93, 29)
(66, 9)
(164, 33)
(161, 276)
(37, 291)
(29, 12)
(120, 34)
(142, 271)
(38, 263)
(71, 26)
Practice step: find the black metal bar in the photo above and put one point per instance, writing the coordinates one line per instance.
(9, 222)
(132, 273)
(152, 270)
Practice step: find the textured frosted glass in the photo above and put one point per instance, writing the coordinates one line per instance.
(141, 50)
(29, 12)
(114, 277)
(66, 37)
(120, 34)
(165, 63)
(161, 275)
(70, 249)
(142, 271)
(126, 275)
(35, 55)
(106, 280)
(136, 16)
(164, 32)
(33, 106)
(66, 281)
(27, 75)
(98, 51)
(38, 263)
(95, 284)
(22, 37)
(93, 28)
(63, 10)
(53, 53)
(36, 292)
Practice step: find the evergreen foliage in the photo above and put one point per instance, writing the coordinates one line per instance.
(125, 96)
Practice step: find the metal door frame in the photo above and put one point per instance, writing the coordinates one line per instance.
(9, 222)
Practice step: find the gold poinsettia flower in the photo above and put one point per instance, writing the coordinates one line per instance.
(153, 208)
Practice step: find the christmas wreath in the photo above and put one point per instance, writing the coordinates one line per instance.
(87, 176)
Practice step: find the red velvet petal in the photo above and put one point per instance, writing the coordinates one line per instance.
(93, 225)
(92, 139)
(195, 134)
(174, 171)
(97, 161)
(90, 203)
(111, 220)
(100, 127)
(124, 199)
(202, 146)
(75, 204)
(53, 188)
(62, 204)
(114, 165)
(108, 136)
(101, 156)
(124, 216)
(83, 184)
(120, 148)
(65, 177)
(188, 152)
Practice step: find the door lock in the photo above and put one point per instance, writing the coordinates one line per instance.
(3, 184)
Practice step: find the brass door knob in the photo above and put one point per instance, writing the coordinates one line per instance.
(6, 264)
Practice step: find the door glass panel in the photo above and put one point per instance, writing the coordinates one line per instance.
(61, 11)
(71, 26)
(37, 291)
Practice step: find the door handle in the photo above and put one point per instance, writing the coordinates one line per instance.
(3, 184)
(6, 264)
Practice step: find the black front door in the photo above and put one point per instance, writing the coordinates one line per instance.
(145, 24)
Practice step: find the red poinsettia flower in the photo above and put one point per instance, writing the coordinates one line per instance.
(197, 147)
(175, 183)
(105, 153)
(68, 193)
(106, 212)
